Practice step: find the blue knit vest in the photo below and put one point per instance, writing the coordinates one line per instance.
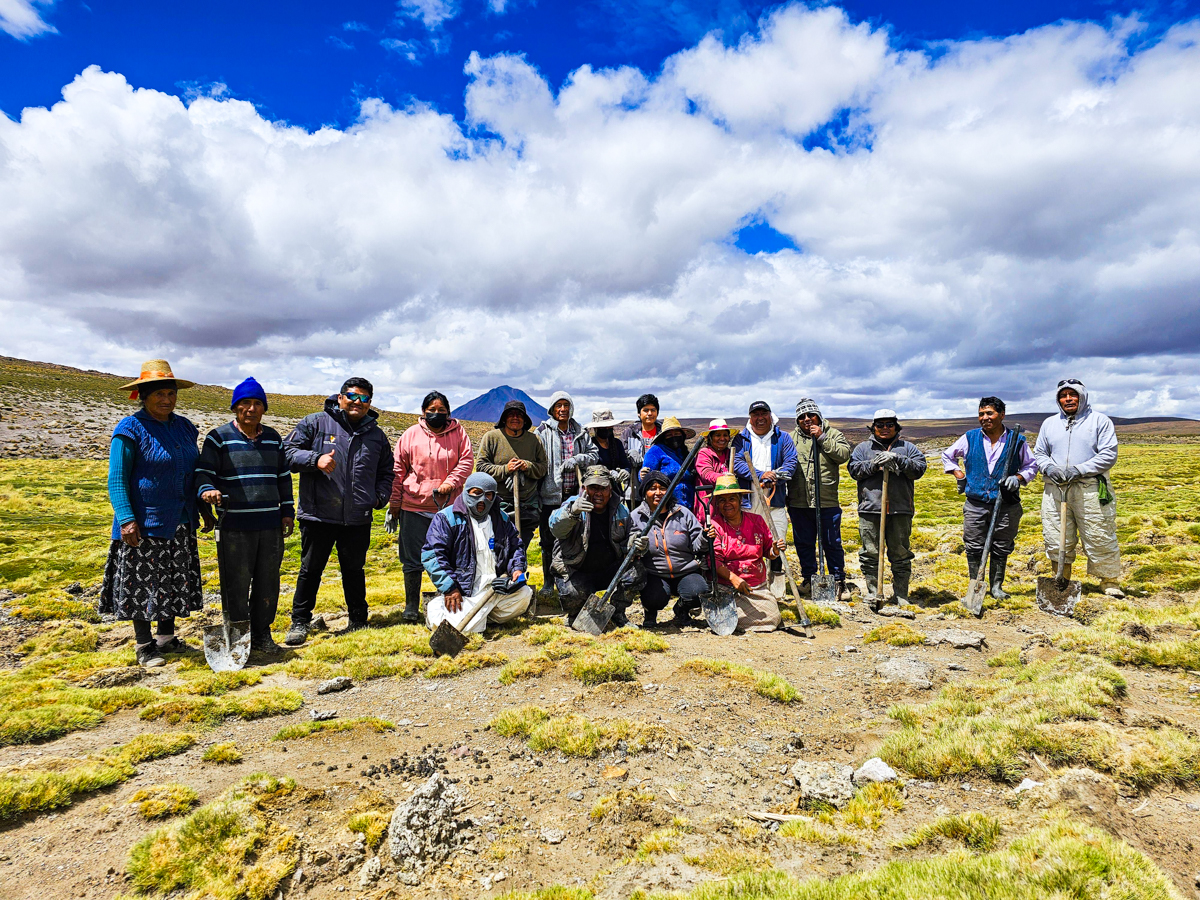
(162, 472)
(983, 485)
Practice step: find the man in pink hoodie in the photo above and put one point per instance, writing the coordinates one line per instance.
(433, 459)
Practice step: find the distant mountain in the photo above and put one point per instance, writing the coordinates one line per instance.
(487, 407)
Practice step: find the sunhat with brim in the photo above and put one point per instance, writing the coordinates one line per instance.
(603, 418)
(671, 423)
(155, 370)
(718, 425)
(514, 406)
(727, 485)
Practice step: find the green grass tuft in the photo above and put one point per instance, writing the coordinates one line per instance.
(600, 666)
(575, 735)
(164, 800)
(533, 666)
(765, 684)
(209, 711)
(895, 634)
(331, 726)
(226, 753)
(975, 830)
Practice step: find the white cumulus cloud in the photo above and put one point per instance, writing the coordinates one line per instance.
(983, 219)
(22, 19)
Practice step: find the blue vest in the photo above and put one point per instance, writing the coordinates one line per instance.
(984, 485)
(163, 469)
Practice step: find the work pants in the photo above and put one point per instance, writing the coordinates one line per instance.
(317, 540)
(1088, 522)
(977, 516)
(530, 515)
(249, 568)
(410, 539)
(575, 588)
(479, 611)
(546, 542)
(804, 537)
(899, 551)
(659, 588)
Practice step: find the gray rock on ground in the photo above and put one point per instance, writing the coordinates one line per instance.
(370, 872)
(897, 612)
(874, 769)
(322, 715)
(333, 685)
(553, 835)
(114, 677)
(424, 831)
(825, 781)
(957, 638)
(907, 670)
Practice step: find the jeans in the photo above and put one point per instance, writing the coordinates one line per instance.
(804, 536)
(248, 562)
(658, 590)
(317, 540)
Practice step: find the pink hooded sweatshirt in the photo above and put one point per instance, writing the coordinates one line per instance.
(424, 460)
(709, 466)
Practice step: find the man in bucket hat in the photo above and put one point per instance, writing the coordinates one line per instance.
(905, 464)
(512, 452)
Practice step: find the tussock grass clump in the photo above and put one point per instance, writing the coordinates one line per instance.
(519, 721)
(621, 806)
(599, 666)
(822, 615)
(1125, 634)
(895, 634)
(71, 637)
(216, 684)
(575, 735)
(661, 840)
(370, 816)
(34, 709)
(445, 667)
(975, 830)
(765, 684)
(867, 807)
(554, 892)
(226, 753)
(227, 849)
(164, 800)
(331, 726)
(730, 860)
(534, 666)
(1053, 708)
(145, 747)
(636, 640)
(209, 711)
(812, 833)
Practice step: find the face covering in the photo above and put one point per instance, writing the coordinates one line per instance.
(605, 434)
(482, 482)
(675, 442)
(436, 421)
(479, 507)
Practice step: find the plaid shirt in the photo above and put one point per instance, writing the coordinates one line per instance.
(570, 484)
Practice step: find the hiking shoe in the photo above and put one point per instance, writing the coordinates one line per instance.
(352, 627)
(149, 657)
(264, 643)
(297, 634)
(175, 645)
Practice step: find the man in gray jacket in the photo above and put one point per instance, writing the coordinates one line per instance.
(905, 464)
(833, 450)
(568, 447)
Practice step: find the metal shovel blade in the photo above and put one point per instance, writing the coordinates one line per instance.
(1058, 602)
(597, 612)
(973, 601)
(720, 612)
(447, 640)
(824, 590)
(227, 646)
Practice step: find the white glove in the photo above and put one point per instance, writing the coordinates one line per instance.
(1012, 483)
(885, 458)
(640, 544)
(581, 505)
(391, 522)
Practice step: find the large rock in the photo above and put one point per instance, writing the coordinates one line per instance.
(825, 781)
(424, 830)
(907, 670)
(957, 638)
(874, 769)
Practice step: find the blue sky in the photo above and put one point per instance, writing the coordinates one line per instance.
(875, 204)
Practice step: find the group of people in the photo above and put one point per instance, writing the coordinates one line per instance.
(712, 522)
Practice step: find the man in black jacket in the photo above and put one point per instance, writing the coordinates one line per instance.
(345, 465)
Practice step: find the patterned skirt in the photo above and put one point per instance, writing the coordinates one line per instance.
(159, 579)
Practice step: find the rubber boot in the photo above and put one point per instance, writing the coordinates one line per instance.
(1111, 587)
(900, 587)
(973, 561)
(412, 596)
(871, 597)
(996, 567)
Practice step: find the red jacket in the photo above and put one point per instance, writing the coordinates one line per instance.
(424, 460)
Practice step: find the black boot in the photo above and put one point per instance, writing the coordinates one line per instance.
(996, 567)
(973, 561)
(412, 596)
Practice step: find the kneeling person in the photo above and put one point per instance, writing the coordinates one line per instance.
(743, 545)
(674, 546)
(475, 558)
(591, 532)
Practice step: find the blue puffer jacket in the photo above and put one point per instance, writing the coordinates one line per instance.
(783, 462)
(668, 461)
(449, 552)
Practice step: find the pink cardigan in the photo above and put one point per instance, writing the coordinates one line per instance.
(424, 460)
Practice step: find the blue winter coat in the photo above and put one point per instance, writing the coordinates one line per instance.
(783, 462)
(449, 552)
(669, 462)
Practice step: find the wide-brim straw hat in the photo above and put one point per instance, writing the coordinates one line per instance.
(156, 370)
(727, 484)
(671, 423)
(603, 418)
(718, 425)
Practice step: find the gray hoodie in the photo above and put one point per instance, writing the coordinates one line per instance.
(585, 453)
(1089, 435)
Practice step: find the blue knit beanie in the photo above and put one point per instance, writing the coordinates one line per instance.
(249, 390)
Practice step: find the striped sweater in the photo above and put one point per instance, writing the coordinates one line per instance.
(253, 475)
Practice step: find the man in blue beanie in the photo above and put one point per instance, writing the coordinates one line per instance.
(243, 470)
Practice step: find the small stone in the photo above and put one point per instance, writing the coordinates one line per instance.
(907, 670)
(614, 773)
(1027, 785)
(577, 796)
(74, 588)
(850, 648)
(874, 769)
(500, 876)
(370, 872)
(333, 685)
(553, 835)
(322, 715)
(826, 781)
(1194, 688)
(1193, 807)
(957, 638)
(897, 612)
(956, 667)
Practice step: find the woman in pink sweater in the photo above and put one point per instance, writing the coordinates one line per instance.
(433, 459)
(711, 463)
(742, 545)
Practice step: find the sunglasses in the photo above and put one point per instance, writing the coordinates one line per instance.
(357, 398)
(810, 416)
(1067, 381)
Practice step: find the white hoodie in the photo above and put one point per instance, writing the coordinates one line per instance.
(1091, 435)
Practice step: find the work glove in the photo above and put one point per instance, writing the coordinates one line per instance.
(620, 477)
(884, 459)
(1071, 475)
(391, 522)
(962, 485)
(1055, 473)
(567, 465)
(504, 584)
(1012, 484)
(640, 544)
(581, 505)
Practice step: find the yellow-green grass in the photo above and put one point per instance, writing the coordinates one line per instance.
(598, 666)
(1054, 708)
(226, 753)
(575, 735)
(34, 709)
(53, 784)
(161, 801)
(1130, 633)
(975, 830)
(331, 726)
(228, 849)
(867, 808)
(895, 634)
(370, 815)
(624, 804)
(256, 704)
(554, 892)
(534, 665)
(1057, 860)
(810, 832)
(730, 860)
(661, 840)
(765, 684)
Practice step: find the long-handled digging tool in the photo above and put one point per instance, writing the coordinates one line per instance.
(719, 607)
(598, 610)
(805, 624)
(824, 585)
(1058, 595)
(978, 587)
(883, 511)
(226, 646)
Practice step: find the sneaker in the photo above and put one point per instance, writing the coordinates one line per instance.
(149, 657)
(351, 627)
(175, 645)
(297, 634)
(264, 643)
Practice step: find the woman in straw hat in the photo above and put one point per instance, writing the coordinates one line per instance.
(153, 568)
(743, 543)
(668, 454)
(712, 462)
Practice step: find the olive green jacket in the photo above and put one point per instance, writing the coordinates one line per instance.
(834, 451)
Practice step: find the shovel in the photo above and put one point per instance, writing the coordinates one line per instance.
(805, 624)
(226, 646)
(824, 585)
(1057, 595)
(879, 567)
(597, 610)
(978, 587)
(447, 640)
(719, 607)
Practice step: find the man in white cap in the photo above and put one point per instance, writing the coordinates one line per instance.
(1075, 451)
(905, 464)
